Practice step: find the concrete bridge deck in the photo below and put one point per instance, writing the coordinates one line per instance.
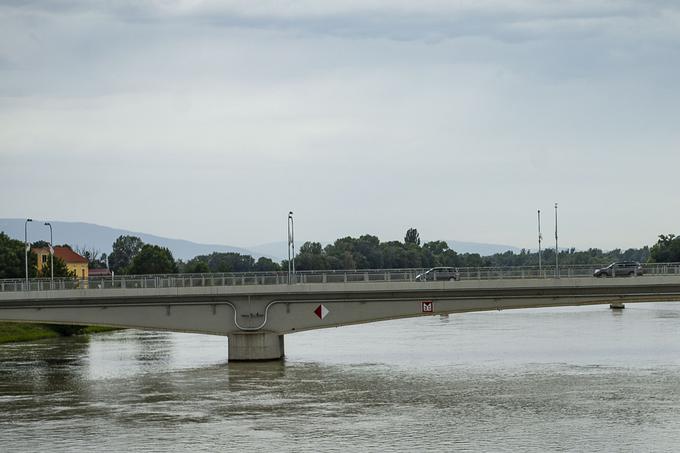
(255, 317)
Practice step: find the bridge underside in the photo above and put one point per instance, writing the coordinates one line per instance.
(256, 319)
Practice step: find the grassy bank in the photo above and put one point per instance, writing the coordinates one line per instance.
(11, 332)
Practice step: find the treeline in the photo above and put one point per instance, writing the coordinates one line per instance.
(592, 256)
(130, 255)
(367, 252)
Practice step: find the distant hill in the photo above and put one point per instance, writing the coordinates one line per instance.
(102, 237)
(481, 248)
(80, 234)
(276, 250)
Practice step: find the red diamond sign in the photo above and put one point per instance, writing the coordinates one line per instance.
(321, 311)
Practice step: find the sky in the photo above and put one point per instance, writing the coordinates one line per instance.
(210, 120)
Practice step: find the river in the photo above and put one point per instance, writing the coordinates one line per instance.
(568, 379)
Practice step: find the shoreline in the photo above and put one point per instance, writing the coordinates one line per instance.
(15, 332)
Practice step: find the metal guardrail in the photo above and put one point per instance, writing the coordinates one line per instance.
(325, 276)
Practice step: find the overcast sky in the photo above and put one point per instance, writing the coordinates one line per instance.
(209, 120)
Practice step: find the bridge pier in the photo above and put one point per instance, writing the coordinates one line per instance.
(246, 346)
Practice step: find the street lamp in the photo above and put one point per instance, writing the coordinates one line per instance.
(291, 245)
(557, 249)
(540, 238)
(26, 247)
(51, 251)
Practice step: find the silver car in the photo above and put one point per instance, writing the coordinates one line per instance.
(438, 274)
(622, 269)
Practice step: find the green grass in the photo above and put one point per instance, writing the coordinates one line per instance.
(100, 329)
(11, 332)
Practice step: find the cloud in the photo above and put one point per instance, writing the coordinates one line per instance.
(354, 111)
(405, 20)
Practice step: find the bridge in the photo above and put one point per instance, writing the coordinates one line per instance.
(256, 310)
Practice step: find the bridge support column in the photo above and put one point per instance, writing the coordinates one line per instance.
(244, 346)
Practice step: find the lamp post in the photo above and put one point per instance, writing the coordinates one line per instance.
(288, 245)
(291, 246)
(51, 251)
(557, 249)
(540, 238)
(26, 247)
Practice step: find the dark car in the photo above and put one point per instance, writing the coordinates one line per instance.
(438, 274)
(622, 269)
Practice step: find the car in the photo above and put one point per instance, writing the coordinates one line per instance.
(620, 269)
(438, 274)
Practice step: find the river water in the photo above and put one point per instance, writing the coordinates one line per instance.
(568, 379)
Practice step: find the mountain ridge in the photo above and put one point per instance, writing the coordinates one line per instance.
(101, 238)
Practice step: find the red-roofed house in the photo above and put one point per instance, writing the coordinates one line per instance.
(73, 261)
(99, 272)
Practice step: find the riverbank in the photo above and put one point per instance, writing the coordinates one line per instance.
(12, 332)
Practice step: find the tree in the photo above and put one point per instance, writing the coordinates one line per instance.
(348, 261)
(310, 257)
(346, 253)
(266, 264)
(195, 266)
(60, 269)
(125, 248)
(369, 248)
(666, 249)
(153, 259)
(412, 237)
(448, 258)
(94, 260)
(436, 247)
(12, 259)
(230, 262)
(394, 255)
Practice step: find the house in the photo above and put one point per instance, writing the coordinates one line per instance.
(74, 262)
(99, 272)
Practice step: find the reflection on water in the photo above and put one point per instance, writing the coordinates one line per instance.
(578, 379)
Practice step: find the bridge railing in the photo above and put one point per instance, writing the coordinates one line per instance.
(308, 277)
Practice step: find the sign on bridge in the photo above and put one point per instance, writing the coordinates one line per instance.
(321, 311)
